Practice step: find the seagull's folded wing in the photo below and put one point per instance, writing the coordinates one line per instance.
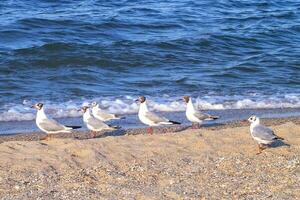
(51, 125)
(104, 115)
(263, 133)
(201, 116)
(97, 124)
(155, 118)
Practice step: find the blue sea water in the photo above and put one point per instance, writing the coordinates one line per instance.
(226, 54)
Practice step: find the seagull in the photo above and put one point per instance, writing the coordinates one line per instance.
(49, 126)
(93, 124)
(262, 134)
(149, 118)
(101, 114)
(195, 116)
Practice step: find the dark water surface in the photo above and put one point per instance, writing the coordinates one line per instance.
(227, 54)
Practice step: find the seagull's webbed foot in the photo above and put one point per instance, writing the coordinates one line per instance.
(47, 138)
(261, 147)
(195, 125)
(93, 134)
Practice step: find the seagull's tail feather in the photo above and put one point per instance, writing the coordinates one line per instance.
(73, 127)
(120, 117)
(279, 138)
(174, 122)
(212, 117)
(115, 127)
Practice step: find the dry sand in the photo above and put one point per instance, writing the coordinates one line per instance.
(190, 164)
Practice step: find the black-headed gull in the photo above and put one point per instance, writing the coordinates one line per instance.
(262, 134)
(194, 115)
(47, 125)
(150, 118)
(101, 114)
(93, 124)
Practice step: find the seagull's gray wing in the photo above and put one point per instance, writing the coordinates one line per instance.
(51, 125)
(263, 133)
(155, 118)
(105, 115)
(97, 124)
(201, 116)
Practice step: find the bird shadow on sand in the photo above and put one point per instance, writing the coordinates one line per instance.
(279, 143)
(157, 130)
(118, 132)
(140, 131)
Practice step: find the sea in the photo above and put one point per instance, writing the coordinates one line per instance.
(238, 57)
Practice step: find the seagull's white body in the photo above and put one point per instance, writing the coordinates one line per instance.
(191, 112)
(194, 115)
(93, 123)
(256, 125)
(262, 134)
(149, 118)
(102, 115)
(49, 126)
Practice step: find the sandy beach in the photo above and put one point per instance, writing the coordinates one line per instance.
(182, 163)
(68, 65)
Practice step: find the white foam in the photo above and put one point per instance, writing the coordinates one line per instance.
(127, 105)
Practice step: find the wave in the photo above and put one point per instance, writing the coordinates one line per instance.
(126, 105)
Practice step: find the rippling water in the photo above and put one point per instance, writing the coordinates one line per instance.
(227, 54)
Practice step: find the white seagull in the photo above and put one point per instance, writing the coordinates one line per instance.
(262, 134)
(194, 115)
(149, 118)
(93, 124)
(101, 114)
(49, 126)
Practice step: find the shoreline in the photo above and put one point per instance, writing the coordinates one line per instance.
(84, 134)
(132, 122)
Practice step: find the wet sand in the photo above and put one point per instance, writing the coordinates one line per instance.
(212, 162)
(36, 136)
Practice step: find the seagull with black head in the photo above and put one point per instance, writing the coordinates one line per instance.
(93, 124)
(194, 115)
(103, 115)
(150, 118)
(48, 125)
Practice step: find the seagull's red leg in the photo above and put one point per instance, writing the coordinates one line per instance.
(46, 138)
(264, 146)
(93, 133)
(259, 150)
(150, 130)
(261, 147)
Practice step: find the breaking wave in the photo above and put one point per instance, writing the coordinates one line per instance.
(127, 105)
